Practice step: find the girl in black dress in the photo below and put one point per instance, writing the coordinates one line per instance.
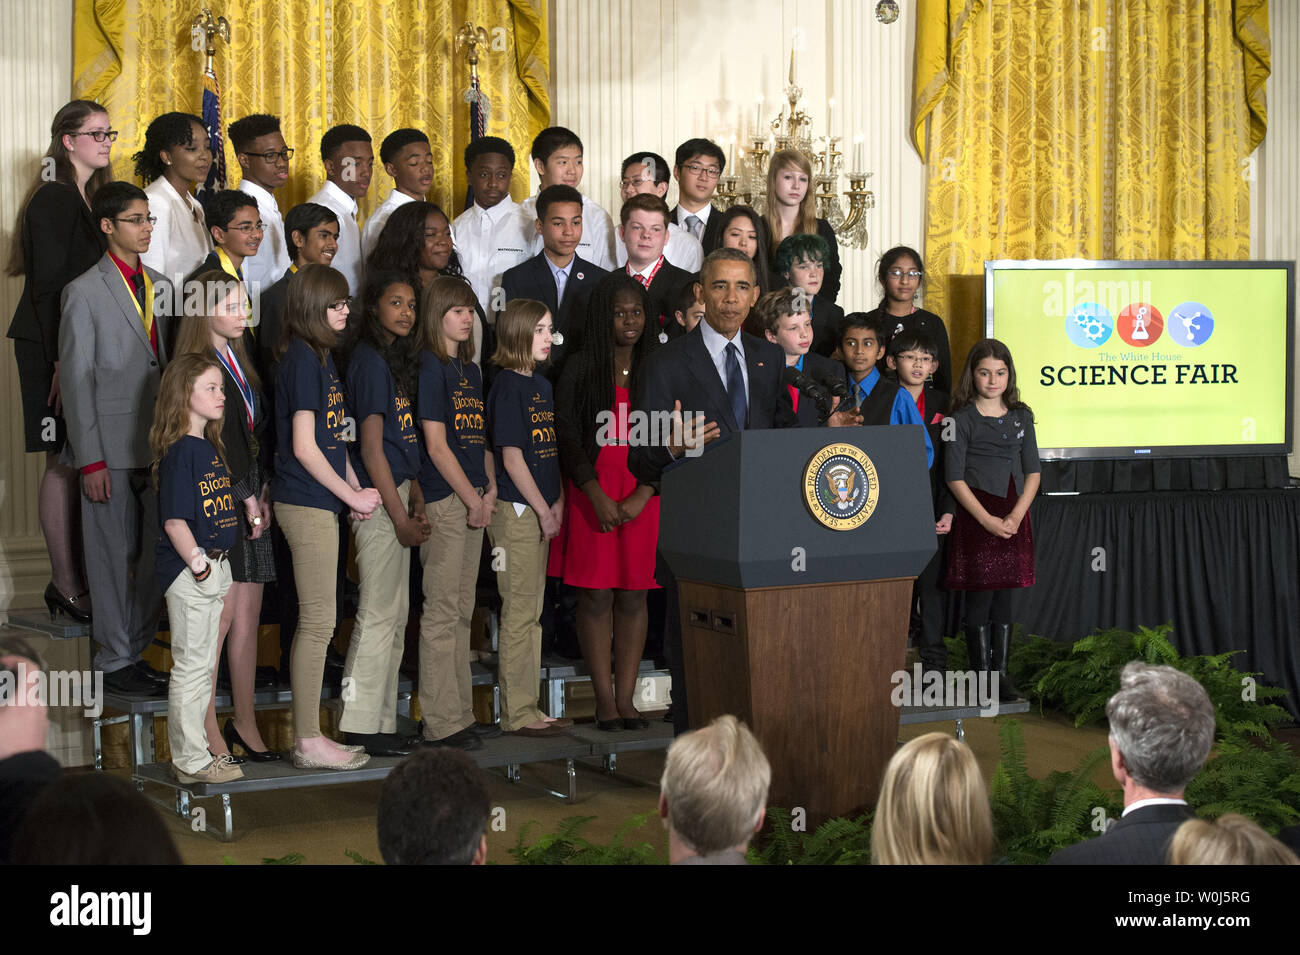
(901, 274)
(56, 241)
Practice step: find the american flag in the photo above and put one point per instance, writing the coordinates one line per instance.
(216, 139)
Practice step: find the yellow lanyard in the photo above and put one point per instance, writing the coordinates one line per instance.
(146, 313)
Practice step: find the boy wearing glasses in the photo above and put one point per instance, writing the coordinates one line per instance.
(698, 165)
(914, 357)
(112, 349)
(557, 157)
(644, 174)
(264, 165)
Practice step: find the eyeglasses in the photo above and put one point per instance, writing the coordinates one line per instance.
(247, 227)
(99, 135)
(139, 220)
(708, 172)
(338, 306)
(632, 183)
(284, 154)
(899, 273)
(913, 358)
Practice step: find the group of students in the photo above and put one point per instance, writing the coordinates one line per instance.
(223, 400)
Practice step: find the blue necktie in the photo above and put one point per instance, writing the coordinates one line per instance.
(736, 385)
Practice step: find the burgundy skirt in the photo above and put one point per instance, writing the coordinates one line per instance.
(979, 561)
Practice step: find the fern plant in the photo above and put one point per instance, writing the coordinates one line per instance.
(1261, 781)
(837, 841)
(566, 846)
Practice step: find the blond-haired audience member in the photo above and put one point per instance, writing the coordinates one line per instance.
(1229, 840)
(713, 793)
(933, 807)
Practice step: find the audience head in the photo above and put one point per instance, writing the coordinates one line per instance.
(407, 157)
(489, 164)
(862, 342)
(349, 158)
(697, 166)
(255, 138)
(900, 274)
(783, 316)
(713, 792)
(233, 221)
(644, 172)
(557, 157)
(447, 313)
(23, 728)
(91, 818)
(933, 807)
(524, 335)
(687, 307)
(315, 309)
(311, 233)
(122, 211)
(177, 142)
(801, 259)
(559, 220)
(1161, 727)
(434, 810)
(1229, 840)
(644, 228)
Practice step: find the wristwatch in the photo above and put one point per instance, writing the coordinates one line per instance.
(257, 521)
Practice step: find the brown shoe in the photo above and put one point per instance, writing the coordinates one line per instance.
(550, 729)
(560, 721)
(221, 770)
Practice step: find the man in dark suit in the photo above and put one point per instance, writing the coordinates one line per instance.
(112, 348)
(714, 380)
(556, 276)
(697, 167)
(643, 230)
(1161, 731)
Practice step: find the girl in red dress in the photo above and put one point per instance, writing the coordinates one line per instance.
(606, 547)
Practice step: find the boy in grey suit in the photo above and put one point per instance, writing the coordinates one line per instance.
(111, 357)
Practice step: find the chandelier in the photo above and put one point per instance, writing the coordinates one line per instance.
(792, 129)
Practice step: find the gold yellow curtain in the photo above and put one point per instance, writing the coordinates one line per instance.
(1100, 129)
(382, 64)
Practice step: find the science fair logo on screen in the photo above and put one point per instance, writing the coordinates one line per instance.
(1140, 324)
(1089, 325)
(1190, 324)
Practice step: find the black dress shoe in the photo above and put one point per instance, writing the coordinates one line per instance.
(232, 738)
(637, 723)
(465, 739)
(56, 603)
(380, 744)
(610, 726)
(485, 730)
(149, 673)
(128, 681)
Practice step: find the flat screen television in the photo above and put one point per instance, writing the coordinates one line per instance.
(1136, 359)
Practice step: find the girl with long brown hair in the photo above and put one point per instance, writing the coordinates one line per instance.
(55, 240)
(792, 208)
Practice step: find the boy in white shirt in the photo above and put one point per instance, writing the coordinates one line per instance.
(264, 165)
(557, 157)
(407, 157)
(493, 234)
(697, 167)
(349, 163)
(647, 172)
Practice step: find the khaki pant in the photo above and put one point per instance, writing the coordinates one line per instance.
(379, 636)
(313, 536)
(450, 558)
(522, 582)
(194, 612)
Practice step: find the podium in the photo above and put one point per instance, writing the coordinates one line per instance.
(795, 551)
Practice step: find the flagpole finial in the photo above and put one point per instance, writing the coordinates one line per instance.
(472, 37)
(205, 30)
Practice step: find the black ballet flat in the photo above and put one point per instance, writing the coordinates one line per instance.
(57, 603)
(610, 726)
(635, 724)
(232, 737)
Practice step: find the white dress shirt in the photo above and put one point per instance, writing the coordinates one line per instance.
(597, 242)
(490, 241)
(180, 243)
(348, 258)
(717, 346)
(682, 249)
(702, 215)
(264, 269)
(375, 224)
(1154, 801)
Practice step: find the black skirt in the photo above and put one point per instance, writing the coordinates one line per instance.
(251, 561)
(42, 428)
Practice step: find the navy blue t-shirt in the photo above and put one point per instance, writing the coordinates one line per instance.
(193, 486)
(304, 384)
(456, 400)
(521, 414)
(372, 390)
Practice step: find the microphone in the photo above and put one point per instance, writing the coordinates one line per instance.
(835, 385)
(805, 385)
